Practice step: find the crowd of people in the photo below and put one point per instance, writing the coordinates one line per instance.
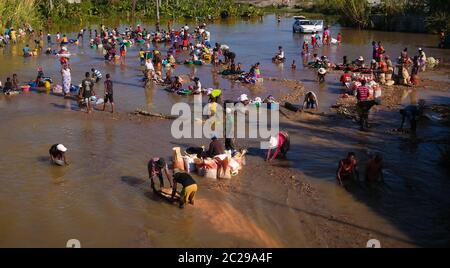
(364, 81)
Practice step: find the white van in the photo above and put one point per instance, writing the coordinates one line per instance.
(303, 25)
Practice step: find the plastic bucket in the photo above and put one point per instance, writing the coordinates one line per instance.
(26, 88)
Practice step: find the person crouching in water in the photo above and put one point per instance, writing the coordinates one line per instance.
(310, 101)
(96, 75)
(189, 185)
(347, 169)
(282, 144)
(279, 57)
(321, 74)
(156, 166)
(412, 112)
(57, 154)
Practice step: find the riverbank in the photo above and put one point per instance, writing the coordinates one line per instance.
(227, 213)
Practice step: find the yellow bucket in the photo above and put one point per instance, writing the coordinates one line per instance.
(47, 85)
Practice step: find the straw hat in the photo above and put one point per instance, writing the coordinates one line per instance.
(273, 142)
(243, 97)
(61, 148)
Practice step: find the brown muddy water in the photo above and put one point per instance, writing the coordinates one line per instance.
(103, 198)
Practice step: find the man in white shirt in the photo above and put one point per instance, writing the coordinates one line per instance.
(280, 55)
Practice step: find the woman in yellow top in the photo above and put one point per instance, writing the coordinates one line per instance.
(13, 35)
(65, 40)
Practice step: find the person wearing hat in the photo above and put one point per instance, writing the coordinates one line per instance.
(390, 67)
(281, 144)
(244, 99)
(57, 154)
(189, 185)
(321, 74)
(359, 62)
(156, 166)
(374, 65)
(422, 59)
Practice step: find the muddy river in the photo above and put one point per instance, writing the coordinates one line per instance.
(103, 197)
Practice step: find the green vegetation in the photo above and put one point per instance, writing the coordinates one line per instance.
(61, 11)
(15, 13)
(41, 12)
(359, 13)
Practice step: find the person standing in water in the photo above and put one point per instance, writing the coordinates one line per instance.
(108, 93)
(57, 154)
(347, 169)
(374, 169)
(441, 39)
(363, 106)
(66, 79)
(339, 39)
(87, 91)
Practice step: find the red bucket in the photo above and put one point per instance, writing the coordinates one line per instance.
(25, 88)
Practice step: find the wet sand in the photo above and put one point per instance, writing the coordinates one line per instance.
(103, 198)
(105, 181)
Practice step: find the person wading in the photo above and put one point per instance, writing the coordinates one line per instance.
(347, 169)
